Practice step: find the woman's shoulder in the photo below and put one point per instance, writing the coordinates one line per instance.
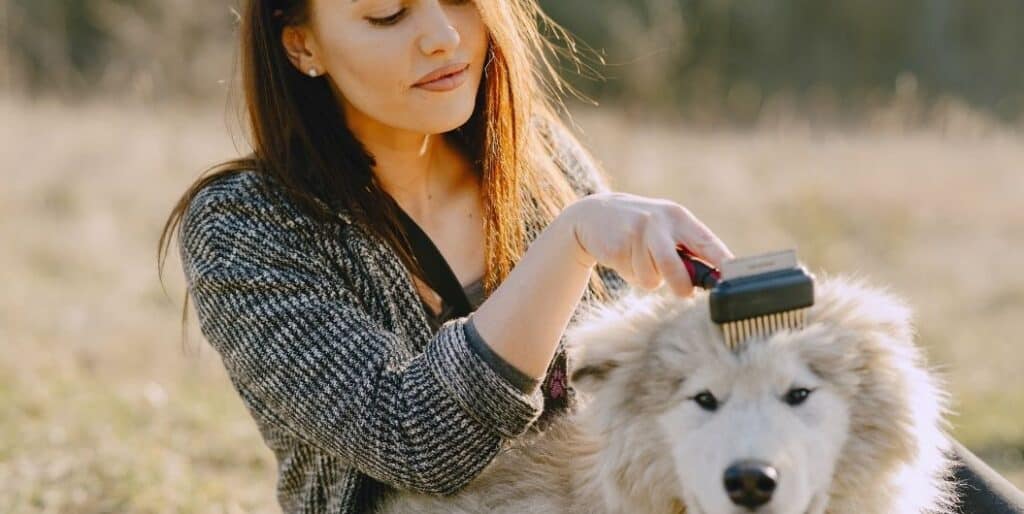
(245, 210)
(246, 199)
(241, 190)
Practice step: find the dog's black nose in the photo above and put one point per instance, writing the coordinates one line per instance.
(750, 483)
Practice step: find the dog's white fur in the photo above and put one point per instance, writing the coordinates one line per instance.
(870, 438)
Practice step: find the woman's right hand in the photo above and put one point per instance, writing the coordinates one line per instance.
(637, 236)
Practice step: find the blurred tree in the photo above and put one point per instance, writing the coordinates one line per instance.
(142, 48)
(720, 57)
(732, 54)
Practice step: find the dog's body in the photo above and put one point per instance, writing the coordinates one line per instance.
(839, 417)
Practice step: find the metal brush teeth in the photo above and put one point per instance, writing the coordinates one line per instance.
(736, 332)
(757, 296)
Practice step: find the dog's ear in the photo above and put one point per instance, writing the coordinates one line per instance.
(856, 323)
(609, 337)
(850, 303)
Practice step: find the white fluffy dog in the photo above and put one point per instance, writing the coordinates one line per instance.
(842, 416)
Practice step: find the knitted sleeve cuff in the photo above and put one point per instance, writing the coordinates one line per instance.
(517, 378)
(477, 387)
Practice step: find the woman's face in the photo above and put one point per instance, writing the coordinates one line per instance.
(374, 51)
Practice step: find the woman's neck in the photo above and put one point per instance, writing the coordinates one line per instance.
(422, 172)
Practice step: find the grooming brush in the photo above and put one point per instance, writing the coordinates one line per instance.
(753, 296)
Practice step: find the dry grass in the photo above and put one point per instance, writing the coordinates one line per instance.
(104, 411)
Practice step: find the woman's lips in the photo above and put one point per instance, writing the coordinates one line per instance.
(447, 82)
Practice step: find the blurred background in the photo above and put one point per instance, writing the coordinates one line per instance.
(883, 138)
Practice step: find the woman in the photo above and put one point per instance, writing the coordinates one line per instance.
(365, 113)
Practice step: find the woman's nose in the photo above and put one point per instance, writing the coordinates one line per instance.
(438, 33)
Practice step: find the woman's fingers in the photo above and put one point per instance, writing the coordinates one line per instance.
(654, 258)
(638, 237)
(698, 238)
(670, 265)
(645, 271)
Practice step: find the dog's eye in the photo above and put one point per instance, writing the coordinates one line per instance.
(706, 400)
(797, 395)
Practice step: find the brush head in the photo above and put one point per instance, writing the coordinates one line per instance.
(758, 295)
(759, 286)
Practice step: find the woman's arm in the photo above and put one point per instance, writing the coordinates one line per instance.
(308, 361)
(524, 318)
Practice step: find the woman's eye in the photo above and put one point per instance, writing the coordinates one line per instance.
(390, 20)
(797, 395)
(706, 400)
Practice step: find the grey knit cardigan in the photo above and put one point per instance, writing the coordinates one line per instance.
(327, 342)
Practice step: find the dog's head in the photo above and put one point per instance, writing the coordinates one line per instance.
(841, 411)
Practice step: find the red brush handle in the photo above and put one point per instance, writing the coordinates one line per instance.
(702, 273)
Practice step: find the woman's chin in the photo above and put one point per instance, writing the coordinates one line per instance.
(441, 118)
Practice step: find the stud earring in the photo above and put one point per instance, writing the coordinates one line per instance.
(312, 72)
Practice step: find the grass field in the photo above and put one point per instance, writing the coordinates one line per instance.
(104, 410)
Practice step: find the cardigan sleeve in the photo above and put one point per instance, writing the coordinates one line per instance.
(308, 360)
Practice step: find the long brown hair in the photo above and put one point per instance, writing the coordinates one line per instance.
(299, 136)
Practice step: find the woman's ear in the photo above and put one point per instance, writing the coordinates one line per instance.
(301, 49)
